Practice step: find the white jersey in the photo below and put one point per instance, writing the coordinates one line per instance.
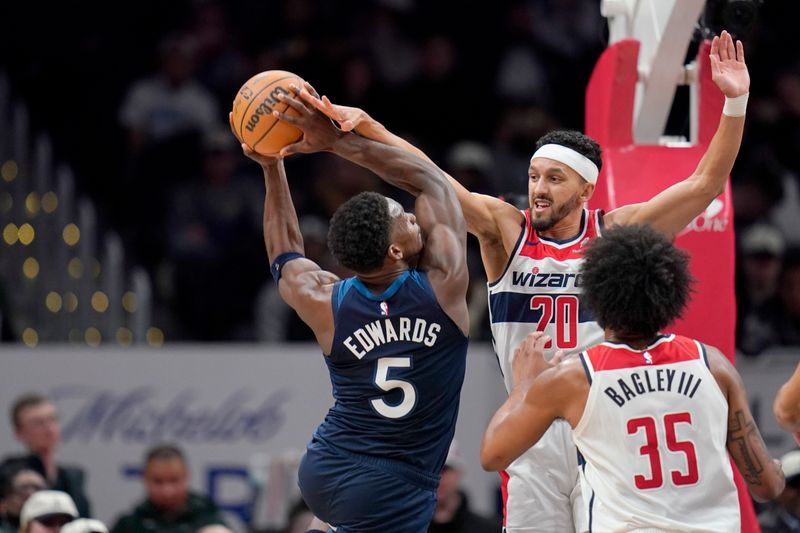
(653, 437)
(540, 290)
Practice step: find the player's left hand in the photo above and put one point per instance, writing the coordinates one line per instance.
(319, 133)
(728, 69)
(529, 359)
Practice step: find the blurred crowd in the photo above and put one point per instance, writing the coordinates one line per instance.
(139, 107)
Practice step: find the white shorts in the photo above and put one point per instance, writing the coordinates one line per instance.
(541, 489)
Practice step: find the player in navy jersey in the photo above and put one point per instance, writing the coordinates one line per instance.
(394, 336)
(654, 415)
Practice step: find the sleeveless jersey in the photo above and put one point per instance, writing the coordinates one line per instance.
(396, 367)
(540, 290)
(653, 436)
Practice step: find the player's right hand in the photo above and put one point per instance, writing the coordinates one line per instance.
(529, 359)
(348, 118)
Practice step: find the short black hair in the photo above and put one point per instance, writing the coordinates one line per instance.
(360, 232)
(163, 452)
(583, 144)
(23, 402)
(635, 281)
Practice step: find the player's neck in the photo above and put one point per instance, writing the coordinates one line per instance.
(638, 342)
(566, 228)
(379, 281)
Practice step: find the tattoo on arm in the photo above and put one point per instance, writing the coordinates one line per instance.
(743, 436)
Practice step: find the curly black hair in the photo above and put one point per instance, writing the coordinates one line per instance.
(583, 144)
(360, 232)
(635, 281)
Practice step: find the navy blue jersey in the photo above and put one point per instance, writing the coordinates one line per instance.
(397, 366)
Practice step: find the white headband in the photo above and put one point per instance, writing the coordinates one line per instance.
(577, 162)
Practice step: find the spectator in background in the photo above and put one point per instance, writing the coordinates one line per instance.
(783, 515)
(84, 525)
(166, 116)
(170, 103)
(36, 426)
(453, 514)
(17, 484)
(47, 511)
(760, 259)
(169, 506)
(213, 229)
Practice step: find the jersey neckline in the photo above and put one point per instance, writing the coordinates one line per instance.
(660, 338)
(390, 291)
(562, 242)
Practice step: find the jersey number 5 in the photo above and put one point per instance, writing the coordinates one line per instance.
(384, 383)
(650, 449)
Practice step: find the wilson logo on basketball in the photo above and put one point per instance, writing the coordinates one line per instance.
(265, 107)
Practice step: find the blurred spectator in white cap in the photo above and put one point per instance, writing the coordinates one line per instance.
(760, 260)
(84, 525)
(36, 426)
(453, 514)
(783, 515)
(17, 483)
(47, 511)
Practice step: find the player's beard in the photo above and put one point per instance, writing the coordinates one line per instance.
(557, 213)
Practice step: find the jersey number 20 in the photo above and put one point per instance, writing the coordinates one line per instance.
(384, 383)
(566, 315)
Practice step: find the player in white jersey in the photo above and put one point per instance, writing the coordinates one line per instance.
(538, 492)
(652, 414)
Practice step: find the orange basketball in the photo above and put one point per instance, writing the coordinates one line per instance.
(253, 122)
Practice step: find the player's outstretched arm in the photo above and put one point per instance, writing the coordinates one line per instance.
(763, 475)
(672, 209)
(483, 213)
(438, 211)
(787, 404)
(301, 282)
(542, 392)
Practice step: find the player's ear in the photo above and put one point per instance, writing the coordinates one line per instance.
(395, 252)
(588, 190)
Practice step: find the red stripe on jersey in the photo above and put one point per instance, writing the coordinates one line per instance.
(536, 247)
(607, 357)
(504, 491)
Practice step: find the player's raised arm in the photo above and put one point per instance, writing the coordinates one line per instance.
(301, 282)
(672, 209)
(483, 213)
(438, 212)
(762, 474)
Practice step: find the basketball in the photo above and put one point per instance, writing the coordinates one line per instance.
(252, 121)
